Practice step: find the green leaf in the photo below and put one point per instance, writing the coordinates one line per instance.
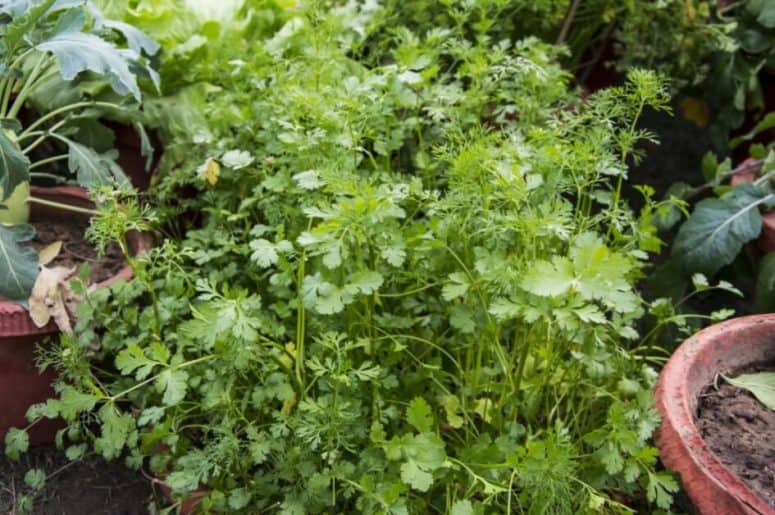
(461, 319)
(367, 282)
(133, 358)
(765, 284)
(456, 287)
(416, 477)
(174, 383)
(419, 415)
(137, 40)
(76, 452)
(77, 52)
(239, 498)
(93, 169)
(717, 230)
(264, 253)
(17, 441)
(73, 402)
(462, 507)
(14, 166)
(549, 279)
(18, 265)
(35, 479)
(660, 489)
(764, 10)
(116, 428)
(760, 384)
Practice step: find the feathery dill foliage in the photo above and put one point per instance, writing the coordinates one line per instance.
(413, 294)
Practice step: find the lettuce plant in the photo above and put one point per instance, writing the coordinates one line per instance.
(64, 43)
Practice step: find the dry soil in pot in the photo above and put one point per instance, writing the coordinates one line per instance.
(75, 249)
(741, 432)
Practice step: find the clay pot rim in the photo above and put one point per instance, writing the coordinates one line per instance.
(672, 398)
(17, 321)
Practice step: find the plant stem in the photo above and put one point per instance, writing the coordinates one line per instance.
(71, 107)
(568, 22)
(48, 160)
(66, 207)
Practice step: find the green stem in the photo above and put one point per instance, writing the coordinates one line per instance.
(139, 385)
(48, 160)
(70, 107)
(29, 148)
(42, 175)
(66, 207)
(29, 83)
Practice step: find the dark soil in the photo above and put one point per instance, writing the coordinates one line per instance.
(76, 250)
(87, 486)
(741, 432)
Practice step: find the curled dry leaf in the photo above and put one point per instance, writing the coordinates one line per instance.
(49, 253)
(52, 298)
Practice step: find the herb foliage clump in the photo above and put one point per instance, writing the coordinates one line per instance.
(412, 289)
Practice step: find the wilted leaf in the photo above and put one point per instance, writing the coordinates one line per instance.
(760, 384)
(48, 298)
(49, 253)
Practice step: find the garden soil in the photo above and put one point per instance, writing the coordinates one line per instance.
(89, 486)
(741, 432)
(76, 250)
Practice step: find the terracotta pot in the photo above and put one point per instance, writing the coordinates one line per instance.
(189, 504)
(721, 348)
(746, 173)
(21, 385)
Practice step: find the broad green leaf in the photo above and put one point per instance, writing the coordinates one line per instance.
(419, 415)
(133, 359)
(73, 402)
(760, 384)
(456, 287)
(35, 478)
(136, 39)
(18, 265)
(717, 230)
(764, 10)
(77, 52)
(239, 498)
(765, 285)
(549, 279)
(264, 254)
(462, 319)
(462, 507)
(14, 166)
(413, 475)
(116, 428)
(93, 169)
(17, 441)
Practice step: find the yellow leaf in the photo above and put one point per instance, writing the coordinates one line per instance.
(695, 110)
(48, 297)
(210, 171)
(49, 253)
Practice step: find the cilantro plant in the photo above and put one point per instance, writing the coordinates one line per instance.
(48, 48)
(412, 289)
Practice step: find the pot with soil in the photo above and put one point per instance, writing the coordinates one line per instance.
(21, 385)
(719, 438)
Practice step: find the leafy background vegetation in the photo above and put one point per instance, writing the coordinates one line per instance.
(399, 273)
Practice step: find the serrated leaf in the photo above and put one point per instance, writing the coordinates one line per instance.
(175, 384)
(17, 441)
(760, 384)
(237, 159)
(133, 358)
(264, 253)
(14, 166)
(73, 402)
(115, 430)
(549, 279)
(462, 319)
(419, 415)
(367, 282)
(76, 452)
(93, 169)
(136, 39)
(456, 287)
(77, 52)
(239, 498)
(660, 489)
(462, 507)
(414, 476)
(18, 265)
(35, 479)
